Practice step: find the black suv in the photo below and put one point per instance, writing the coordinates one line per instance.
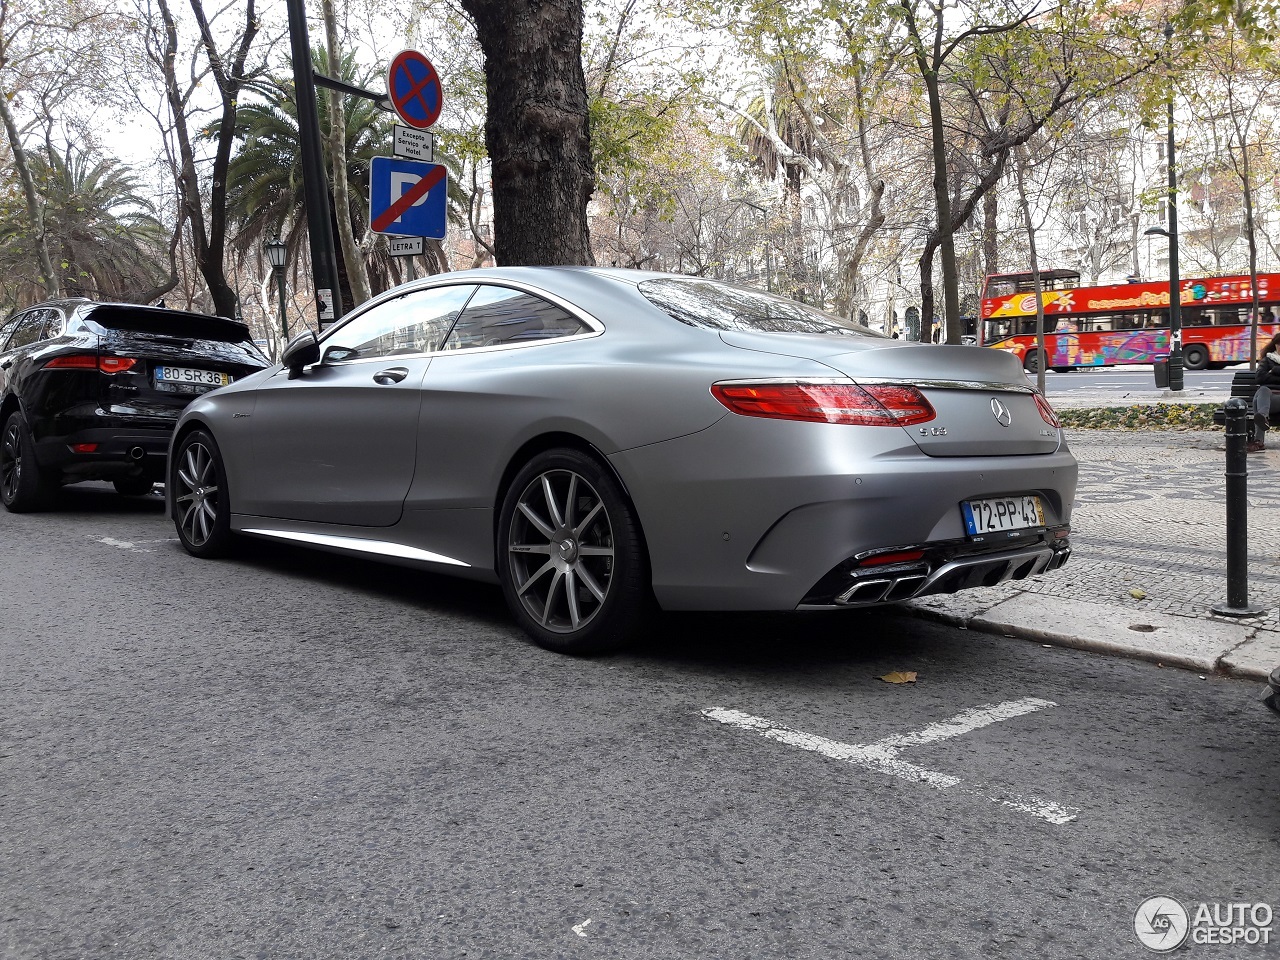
(91, 391)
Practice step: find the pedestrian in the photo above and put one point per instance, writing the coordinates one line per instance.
(1266, 400)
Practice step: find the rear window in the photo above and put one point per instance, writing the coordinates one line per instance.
(173, 323)
(723, 306)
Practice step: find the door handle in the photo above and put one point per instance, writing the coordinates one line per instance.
(390, 375)
(6, 365)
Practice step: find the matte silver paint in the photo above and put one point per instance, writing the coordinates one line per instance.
(737, 512)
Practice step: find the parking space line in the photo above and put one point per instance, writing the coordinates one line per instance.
(129, 544)
(882, 755)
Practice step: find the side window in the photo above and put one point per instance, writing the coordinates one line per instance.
(8, 328)
(413, 323)
(28, 330)
(498, 315)
(55, 324)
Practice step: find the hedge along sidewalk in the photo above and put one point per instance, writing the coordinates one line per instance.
(1146, 416)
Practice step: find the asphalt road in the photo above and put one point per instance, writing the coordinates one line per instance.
(1135, 378)
(298, 755)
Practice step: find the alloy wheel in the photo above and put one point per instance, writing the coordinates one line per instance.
(11, 460)
(196, 495)
(561, 551)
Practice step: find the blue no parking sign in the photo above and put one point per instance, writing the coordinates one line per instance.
(407, 197)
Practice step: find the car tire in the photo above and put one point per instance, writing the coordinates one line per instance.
(201, 508)
(571, 556)
(1195, 358)
(133, 486)
(24, 486)
(1031, 363)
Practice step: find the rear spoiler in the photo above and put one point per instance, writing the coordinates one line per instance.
(178, 323)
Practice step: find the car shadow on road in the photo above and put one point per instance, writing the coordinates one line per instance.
(785, 640)
(412, 587)
(101, 499)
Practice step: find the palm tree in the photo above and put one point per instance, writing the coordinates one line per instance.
(779, 132)
(104, 236)
(266, 199)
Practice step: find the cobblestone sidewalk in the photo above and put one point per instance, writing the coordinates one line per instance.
(1149, 554)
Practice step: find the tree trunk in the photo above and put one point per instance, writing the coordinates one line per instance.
(1245, 181)
(1019, 162)
(209, 237)
(536, 132)
(357, 274)
(990, 238)
(927, 305)
(35, 205)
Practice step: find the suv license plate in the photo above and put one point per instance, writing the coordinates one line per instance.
(996, 514)
(207, 378)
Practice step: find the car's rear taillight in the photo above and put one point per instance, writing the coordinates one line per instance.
(1046, 411)
(848, 403)
(88, 361)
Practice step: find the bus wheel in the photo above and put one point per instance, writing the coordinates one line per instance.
(1195, 357)
(1031, 362)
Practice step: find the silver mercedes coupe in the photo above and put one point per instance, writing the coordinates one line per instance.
(600, 440)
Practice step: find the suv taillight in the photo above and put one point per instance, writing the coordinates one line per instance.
(872, 405)
(87, 361)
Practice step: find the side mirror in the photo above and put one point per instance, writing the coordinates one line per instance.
(301, 351)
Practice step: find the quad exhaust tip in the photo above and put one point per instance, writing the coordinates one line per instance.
(958, 574)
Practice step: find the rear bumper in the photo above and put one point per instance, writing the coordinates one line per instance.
(755, 514)
(944, 568)
(121, 452)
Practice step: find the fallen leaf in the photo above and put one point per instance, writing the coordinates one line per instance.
(900, 676)
(1138, 594)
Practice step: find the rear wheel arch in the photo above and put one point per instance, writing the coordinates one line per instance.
(571, 557)
(8, 406)
(541, 444)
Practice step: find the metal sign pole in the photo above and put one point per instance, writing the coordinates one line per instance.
(324, 261)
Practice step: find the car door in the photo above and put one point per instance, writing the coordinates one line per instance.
(337, 444)
(493, 374)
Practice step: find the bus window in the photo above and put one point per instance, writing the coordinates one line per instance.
(1194, 318)
(997, 330)
(1228, 315)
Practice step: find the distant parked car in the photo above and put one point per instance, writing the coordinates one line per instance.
(589, 438)
(91, 391)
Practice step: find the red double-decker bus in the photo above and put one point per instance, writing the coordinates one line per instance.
(1125, 322)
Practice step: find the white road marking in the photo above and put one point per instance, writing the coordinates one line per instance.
(883, 754)
(130, 544)
(581, 928)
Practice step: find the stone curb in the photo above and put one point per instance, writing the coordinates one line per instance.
(1224, 647)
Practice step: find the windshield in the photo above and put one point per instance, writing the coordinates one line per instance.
(723, 306)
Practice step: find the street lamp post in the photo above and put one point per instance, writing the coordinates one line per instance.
(1175, 292)
(277, 253)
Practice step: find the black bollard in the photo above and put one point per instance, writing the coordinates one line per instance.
(1237, 605)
